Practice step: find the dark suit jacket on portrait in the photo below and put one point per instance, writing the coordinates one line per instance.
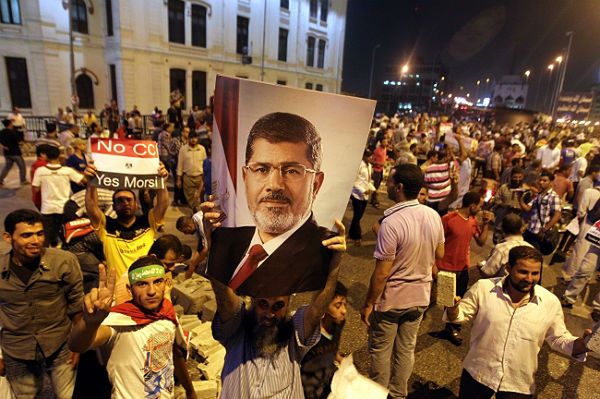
(301, 263)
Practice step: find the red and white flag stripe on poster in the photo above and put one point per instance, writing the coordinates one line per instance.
(131, 164)
(224, 147)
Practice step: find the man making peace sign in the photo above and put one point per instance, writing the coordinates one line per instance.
(139, 334)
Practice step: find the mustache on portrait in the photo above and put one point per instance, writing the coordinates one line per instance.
(275, 196)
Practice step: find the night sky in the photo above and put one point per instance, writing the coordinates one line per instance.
(474, 39)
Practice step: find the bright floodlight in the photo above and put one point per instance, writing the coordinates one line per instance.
(551, 67)
(527, 73)
(405, 68)
(478, 82)
(559, 59)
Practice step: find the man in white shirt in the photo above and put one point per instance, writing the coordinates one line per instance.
(138, 335)
(19, 122)
(54, 180)
(495, 264)
(512, 316)
(190, 172)
(549, 155)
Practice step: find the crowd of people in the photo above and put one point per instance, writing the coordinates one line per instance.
(91, 271)
(453, 181)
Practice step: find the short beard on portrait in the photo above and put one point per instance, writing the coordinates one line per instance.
(275, 220)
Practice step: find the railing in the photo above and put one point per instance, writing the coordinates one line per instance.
(36, 126)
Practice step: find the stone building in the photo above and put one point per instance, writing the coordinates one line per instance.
(138, 51)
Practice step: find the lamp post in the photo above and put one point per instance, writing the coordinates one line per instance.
(527, 73)
(372, 67)
(550, 68)
(563, 73)
(477, 90)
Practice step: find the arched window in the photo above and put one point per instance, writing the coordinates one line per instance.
(85, 91)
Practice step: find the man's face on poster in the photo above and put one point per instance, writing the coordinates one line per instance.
(281, 185)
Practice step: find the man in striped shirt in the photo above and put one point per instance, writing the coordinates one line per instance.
(437, 180)
(264, 345)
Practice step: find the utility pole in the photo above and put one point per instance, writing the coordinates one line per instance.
(563, 72)
(372, 68)
(72, 58)
(262, 65)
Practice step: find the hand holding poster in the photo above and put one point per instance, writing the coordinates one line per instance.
(126, 164)
(280, 180)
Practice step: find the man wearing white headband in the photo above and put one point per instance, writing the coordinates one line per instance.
(139, 334)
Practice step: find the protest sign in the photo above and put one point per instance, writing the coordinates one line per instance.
(283, 164)
(469, 143)
(445, 127)
(126, 164)
(593, 234)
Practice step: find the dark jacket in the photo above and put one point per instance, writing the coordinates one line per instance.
(300, 264)
(10, 138)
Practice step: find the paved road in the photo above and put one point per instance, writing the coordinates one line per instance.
(438, 362)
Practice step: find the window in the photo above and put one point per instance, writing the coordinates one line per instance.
(198, 25)
(18, 82)
(281, 82)
(242, 35)
(308, 86)
(177, 81)
(313, 9)
(10, 12)
(109, 18)
(285, 4)
(79, 16)
(283, 37)
(113, 81)
(319, 87)
(176, 21)
(310, 52)
(198, 88)
(324, 10)
(321, 55)
(85, 91)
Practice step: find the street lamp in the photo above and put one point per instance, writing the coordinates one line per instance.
(550, 68)
(404, 69)
(372, 67)
(527, 73)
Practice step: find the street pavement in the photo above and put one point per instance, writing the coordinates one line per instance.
(438, 363)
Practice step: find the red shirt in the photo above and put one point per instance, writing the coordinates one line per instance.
(37, 197)
(458, 232)
(379, 157)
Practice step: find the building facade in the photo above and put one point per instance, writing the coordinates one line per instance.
(138, 51)
(595, 105)
(418, 88)
(510, 92)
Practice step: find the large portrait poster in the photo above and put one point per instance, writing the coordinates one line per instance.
(283, 164)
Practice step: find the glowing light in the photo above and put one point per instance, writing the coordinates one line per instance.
(405, 68)
(551, 67)
(527, 73)
(478, 82)
(559, 59)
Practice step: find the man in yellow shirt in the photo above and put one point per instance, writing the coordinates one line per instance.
(127, 237)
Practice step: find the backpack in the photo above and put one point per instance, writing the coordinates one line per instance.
(593, 215)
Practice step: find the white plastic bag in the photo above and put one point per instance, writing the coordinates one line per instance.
(348, 383)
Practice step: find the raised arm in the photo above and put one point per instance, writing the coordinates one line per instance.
(317, 308)
(91, 196)
(87, 331)
(162, 196)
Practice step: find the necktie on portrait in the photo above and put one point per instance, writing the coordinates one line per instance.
(255, 256)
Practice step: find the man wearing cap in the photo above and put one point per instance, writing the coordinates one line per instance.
(139, 335)
(10, 138)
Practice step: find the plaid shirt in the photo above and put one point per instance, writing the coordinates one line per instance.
(543, 209)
